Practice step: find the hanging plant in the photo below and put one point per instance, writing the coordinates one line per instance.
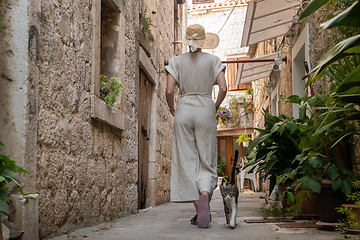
(223, 115)
(243, 138)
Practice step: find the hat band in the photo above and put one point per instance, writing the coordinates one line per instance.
(192, 43)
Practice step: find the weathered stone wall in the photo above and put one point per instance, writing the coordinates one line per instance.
(88, 170)
(162, 50)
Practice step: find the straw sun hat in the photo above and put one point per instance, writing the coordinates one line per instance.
(197, 38)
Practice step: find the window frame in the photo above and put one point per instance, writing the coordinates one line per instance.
(99, 109)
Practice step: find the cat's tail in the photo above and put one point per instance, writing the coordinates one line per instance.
(232, 181)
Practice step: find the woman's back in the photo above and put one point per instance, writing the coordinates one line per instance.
(195, 72)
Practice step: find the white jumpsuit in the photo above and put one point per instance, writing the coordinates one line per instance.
(194, 146)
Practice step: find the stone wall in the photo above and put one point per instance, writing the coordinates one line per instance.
(163, 14)
(83, 155)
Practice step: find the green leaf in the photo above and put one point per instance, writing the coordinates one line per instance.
(331, 72)
(336, 184)
(333, 55)
(275, 128)
(293, 99)
(353, 98)
(301, 158)
(348, 64)
(314, 185)
(355, 49)
(321, 97)
(2, 144)
(282, 129)
(311, 8)
(349, 17)
(332, 169)
(312, 101)
(4, 207)
(351, 80)
(302, 112)
(292, 126)
(326, 127)
(291, 196)
(3, 194)
(342, 135)
(317, 176)
(7, 173)
(345, 187)
(346, 86)
(315, 161)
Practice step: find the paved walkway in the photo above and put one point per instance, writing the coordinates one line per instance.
(172, 222)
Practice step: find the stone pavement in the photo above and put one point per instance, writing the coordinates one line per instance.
(172, 221)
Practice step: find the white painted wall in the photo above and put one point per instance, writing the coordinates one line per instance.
(13, 80)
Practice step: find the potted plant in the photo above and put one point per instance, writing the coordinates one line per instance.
(341, 64)
(220, 166)
(352, 212)
(244, 138)
(223, 115)
(109, 89)
(249, 93)
(275, 148)
(324, 162)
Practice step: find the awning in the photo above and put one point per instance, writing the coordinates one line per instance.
(266, 19)
(248, 72)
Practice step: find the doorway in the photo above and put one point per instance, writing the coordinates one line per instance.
(145, 96)
(226, 150)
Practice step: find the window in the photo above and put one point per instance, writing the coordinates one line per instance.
(202, 1)
(232, 70)
(108, 58)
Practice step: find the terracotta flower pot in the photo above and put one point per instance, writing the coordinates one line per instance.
(354, 208)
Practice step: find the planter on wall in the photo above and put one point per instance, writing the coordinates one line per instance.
(250, 106)
(220, 180)
(354, 209)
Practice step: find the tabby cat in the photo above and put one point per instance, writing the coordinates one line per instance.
(230, 196)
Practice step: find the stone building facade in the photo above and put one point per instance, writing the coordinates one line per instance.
(88, 162)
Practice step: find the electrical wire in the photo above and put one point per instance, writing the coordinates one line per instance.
(228, 16)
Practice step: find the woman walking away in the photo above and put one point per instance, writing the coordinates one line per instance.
(194, 149)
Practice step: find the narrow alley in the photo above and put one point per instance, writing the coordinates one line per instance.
(172, 221)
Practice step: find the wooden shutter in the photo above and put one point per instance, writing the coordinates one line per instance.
(232, 69)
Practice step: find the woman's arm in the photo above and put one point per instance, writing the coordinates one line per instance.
(222, 89)
(170, 93)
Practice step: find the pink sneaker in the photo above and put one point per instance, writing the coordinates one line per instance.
(204, 212)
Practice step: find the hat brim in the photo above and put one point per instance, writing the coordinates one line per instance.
(211, 41)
